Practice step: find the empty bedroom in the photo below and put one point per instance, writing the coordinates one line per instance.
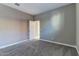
(39, 29)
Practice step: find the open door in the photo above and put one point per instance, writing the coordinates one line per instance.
(34, 30)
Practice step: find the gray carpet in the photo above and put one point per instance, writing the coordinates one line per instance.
(38, 48)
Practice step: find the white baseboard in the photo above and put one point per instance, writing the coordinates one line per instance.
(77, 51)
(59, 43)
(62, 44)
(42, 40)
(5, 46)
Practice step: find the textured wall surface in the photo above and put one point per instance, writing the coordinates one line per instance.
(58, 25)
(13, 25)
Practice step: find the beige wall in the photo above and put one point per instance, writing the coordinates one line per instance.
(13, 25)
(58, 25)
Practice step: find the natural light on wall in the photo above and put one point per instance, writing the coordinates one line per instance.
(56, 21)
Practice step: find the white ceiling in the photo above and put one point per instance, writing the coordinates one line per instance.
(36, 8)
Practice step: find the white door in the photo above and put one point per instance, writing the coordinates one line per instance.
(34, 30)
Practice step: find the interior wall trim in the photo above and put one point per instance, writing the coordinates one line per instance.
(5, 46)
(62, 44)
(77, 51)
(59, 43)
